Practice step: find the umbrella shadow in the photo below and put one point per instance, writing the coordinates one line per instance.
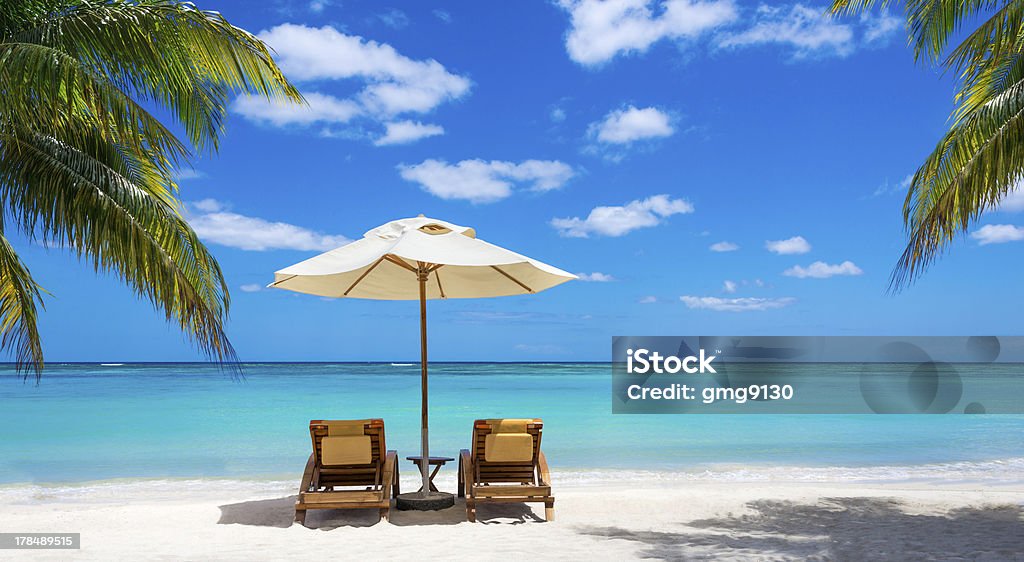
(496, 514)
(280, 513)
(838, 529)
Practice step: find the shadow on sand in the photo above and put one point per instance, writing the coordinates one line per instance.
(280, 512)
(839, 529)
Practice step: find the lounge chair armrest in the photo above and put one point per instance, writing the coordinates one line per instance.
(542, 468)
(307, 475)
(388, 477)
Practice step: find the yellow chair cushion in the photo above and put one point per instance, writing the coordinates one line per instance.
(345, 427)
(348, 449)
(508, 447)
(509, 425)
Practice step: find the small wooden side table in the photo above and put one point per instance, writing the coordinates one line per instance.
(436, 462)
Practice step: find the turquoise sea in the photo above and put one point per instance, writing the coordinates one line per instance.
(87, 422)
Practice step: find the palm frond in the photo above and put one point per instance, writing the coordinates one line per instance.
(933, 22)
(84, 165)
(971, 169)
(847, 7)
(19, 296)
(185, 59)
(988, 60)
(54, 94)
(80, 197)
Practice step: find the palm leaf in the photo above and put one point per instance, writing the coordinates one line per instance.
(75, 197)
(84, 165)
(19, 295)
(971, 169)
(54, 94)
(188, 60)
(989, 59)
(931, 22)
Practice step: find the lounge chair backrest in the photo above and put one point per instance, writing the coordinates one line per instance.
(351, 452)
(506, 450)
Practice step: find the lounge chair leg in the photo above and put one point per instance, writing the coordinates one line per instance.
(470, 511)
(549, 509)
(460, 485)
(385, 513)
(300, 517)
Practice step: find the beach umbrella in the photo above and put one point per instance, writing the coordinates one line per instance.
(418, 259)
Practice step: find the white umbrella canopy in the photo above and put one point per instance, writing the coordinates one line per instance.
(419, 259)
(383, 266)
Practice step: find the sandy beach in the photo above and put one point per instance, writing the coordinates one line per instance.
(776, 520)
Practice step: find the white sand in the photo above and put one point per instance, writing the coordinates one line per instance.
(235, 520)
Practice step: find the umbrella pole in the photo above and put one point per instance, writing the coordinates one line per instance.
(422, 274)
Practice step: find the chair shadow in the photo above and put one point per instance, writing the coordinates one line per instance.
(280, 513)
(277, 512)
(504, 514)
(839, 529)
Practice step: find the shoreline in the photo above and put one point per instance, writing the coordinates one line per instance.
(608, 521)
(995, 472)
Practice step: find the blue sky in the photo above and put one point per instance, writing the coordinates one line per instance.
(622, 141)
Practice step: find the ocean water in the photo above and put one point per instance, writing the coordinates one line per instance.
(88, 422)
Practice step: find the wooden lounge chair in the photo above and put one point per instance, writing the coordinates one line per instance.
(348, 454)
(505, 465)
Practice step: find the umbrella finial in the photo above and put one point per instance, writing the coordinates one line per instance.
(419, 215)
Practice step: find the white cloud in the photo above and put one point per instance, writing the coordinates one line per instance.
(998, 234)
(214, 223)
(624, 126)
(1013, 201)
(878, 28)
(811, 31)
(729, 286)
(599, 30)
(319, 108)
(595, 277)
(620, 220)
(185, 174)
(557, 115)
(794, 245)
(480, 181)
(405, 132)
(251, 288)
(822, 270)
(648, 300)
(317, 6)
(805, 29)
(207, 205)
(394, 18)
(392, 84)
(739, 304)
(723, 246)
(443, 16)
(901, 186)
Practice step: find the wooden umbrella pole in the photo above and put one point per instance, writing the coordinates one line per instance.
(422, 274)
